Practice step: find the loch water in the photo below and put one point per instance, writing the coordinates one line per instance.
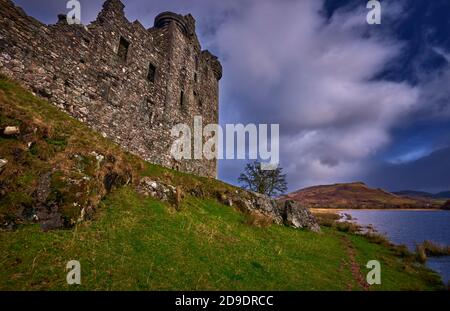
(411, 227)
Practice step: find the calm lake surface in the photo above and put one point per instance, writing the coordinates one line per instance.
(411, 227)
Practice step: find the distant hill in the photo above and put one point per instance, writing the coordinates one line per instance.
(357, 196)
(415, 194)
(442, 195)
(422, 194)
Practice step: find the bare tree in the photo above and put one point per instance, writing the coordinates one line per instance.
(271, 183)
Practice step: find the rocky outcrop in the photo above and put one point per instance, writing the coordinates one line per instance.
(66, 194)
(298, 216)
(45, 212)
(255, 202)
(281, 212)
(151, 188)
(159, 191)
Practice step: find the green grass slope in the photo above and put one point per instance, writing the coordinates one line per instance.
(136, 243)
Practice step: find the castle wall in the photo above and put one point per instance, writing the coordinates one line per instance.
(81, 70)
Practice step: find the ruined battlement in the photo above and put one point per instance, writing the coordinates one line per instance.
(129, 83)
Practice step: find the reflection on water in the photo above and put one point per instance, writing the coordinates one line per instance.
(411, 227)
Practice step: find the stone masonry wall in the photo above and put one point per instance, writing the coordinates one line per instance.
(83, 71)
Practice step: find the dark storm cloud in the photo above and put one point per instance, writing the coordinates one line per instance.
(430, 173)
(291, 65)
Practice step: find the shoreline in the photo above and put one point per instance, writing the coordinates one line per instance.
(418, 251)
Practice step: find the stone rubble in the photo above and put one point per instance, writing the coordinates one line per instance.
(156, 190)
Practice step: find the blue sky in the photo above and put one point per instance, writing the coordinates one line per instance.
(355, 102)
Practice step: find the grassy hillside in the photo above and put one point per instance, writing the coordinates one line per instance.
(129, 242)
(358, 195)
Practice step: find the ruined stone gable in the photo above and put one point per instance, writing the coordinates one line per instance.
(129, 83)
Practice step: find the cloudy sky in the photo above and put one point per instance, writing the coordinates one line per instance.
(355, 102)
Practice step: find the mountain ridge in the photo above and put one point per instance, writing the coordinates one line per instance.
(424, 194)
(357, 195)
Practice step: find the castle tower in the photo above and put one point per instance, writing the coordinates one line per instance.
(129, 83)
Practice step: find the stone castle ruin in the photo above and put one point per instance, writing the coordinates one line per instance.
(129, 83)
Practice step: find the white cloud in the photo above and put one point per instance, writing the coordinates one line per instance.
(287, 64)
